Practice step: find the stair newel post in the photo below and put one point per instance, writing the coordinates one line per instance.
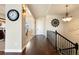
(56, 40)
(76, 47)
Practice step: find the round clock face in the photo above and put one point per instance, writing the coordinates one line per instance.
(13, 15)
(55, 22)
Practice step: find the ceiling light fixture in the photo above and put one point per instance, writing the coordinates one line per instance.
(67, 18)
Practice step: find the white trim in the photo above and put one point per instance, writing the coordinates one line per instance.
(13, 50)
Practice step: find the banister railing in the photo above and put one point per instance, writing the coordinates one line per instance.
(64, 45)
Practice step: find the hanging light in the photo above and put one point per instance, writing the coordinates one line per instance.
(67, 18)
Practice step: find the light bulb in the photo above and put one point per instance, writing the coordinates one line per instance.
(67, 19)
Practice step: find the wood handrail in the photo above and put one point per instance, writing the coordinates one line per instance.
(65, 38)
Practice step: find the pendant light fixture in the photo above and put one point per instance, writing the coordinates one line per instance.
(67, 18)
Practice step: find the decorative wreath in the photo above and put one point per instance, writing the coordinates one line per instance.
(55, 22)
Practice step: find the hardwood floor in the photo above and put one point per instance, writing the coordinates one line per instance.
(38, 45)
(2, 53)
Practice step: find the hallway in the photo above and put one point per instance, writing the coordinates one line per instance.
(39, 46)
(36, 23)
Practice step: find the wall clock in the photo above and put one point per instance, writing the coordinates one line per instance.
(55, 22)
(13, 15)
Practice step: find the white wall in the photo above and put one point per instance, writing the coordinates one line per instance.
(13, 40)
(71, 30)
(30, 25)
(43, 24)
(16, 38)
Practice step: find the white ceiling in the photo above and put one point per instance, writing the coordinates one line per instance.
(39, 10)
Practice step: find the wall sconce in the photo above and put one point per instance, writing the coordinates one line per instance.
(23, 9)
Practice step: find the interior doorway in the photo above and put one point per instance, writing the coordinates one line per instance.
(40, 26)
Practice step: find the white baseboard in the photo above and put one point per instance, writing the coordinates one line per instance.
(13, 50)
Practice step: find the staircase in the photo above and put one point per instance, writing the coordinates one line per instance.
(62, 44)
